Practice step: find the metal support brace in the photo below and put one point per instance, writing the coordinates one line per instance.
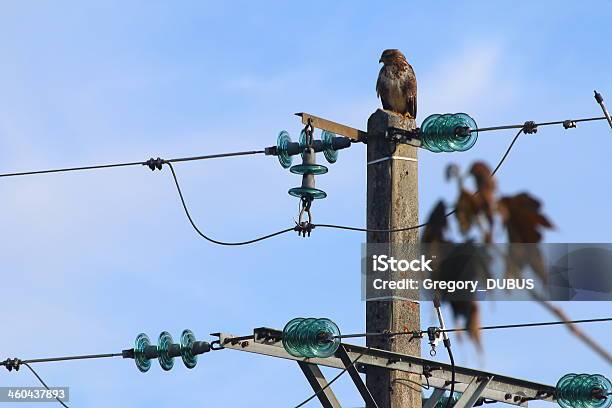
(350, 368)
(498, 387)
(435, 397)
(473, 391)
(319, 384)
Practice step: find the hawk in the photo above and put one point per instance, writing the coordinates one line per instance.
(396, 85)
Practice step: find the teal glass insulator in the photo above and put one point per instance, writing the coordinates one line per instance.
(448, 133)
(282, 143)
(302, 139)
(584, 391)
(441, 132)
(301, 346)
(464, 142)
(140, 344)
(322, 338)
(330, 154)
(308, 169)
(313, 193)
(163, 345)
(426, 138)
(187, 339)
(289, 338)
(303, 142)
(311, 338)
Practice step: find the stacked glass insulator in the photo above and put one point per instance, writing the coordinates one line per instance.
(448, 133)
(166, 350)
(584, 391)
(311, 337)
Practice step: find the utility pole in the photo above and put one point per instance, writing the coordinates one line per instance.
(392, 202)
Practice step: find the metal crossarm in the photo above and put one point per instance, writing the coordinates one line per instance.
(498, 387)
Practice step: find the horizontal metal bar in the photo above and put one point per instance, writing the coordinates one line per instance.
(502, 388)
(337, 128)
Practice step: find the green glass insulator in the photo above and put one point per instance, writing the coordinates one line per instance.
(459, 142)
(426, 138)
(187, 339)
(313, 193)
(441, 133)
(308, 169)
(289, 342)
(311, 338)
(140, 344)
(303, 142)
(330, 154)
(301, 340)
(282, 143)
(448, 132)
(324, 342)
(584, 391)
(163, 345)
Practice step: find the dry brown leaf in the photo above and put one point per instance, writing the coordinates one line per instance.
(466, 210)
(436, 224)
(522, 218)
(467, 313)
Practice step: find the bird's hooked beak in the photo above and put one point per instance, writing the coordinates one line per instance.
(380, 60)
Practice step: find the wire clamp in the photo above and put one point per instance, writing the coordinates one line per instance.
(154, 163)
(305, 227)
(433, 333)
(12, 364)
(530, 127)
(569, 124)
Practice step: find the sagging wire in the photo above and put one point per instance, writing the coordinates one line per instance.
(528, 127)
(42, 382)
(215, 241)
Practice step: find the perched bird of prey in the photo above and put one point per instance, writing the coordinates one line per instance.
(396, 85)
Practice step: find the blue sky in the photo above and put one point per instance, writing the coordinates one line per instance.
(92, 259)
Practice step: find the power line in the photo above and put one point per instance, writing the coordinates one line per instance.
(567, 122)
(499, 164)
(11, 364)
(214, 241)
(527, 127)
(539, 324)
(461, 329)
(43, 383)
(150, 163)
(15, 363)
